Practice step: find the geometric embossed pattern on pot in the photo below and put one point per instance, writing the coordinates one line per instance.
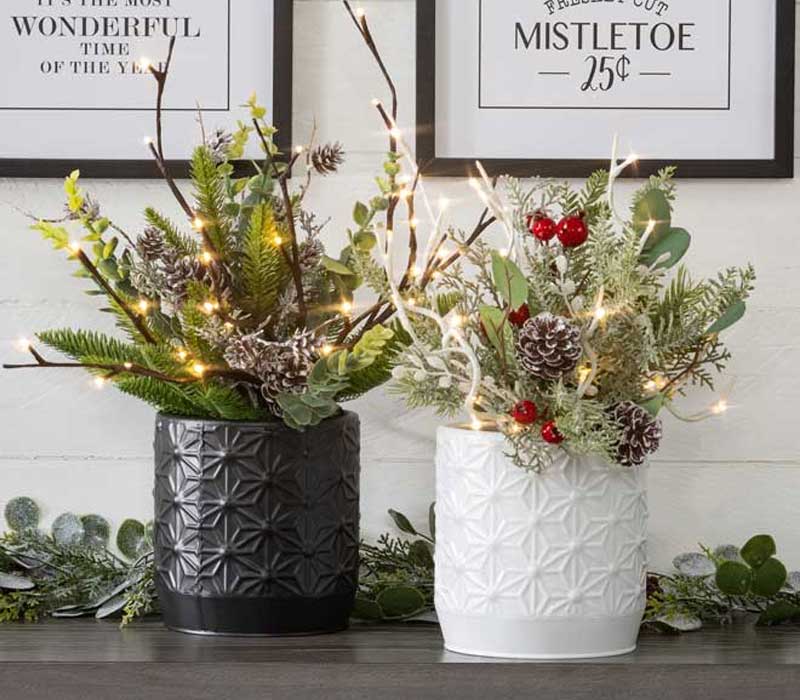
(569, 543)
(247, 510)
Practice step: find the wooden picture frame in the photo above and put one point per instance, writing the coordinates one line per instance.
(781, 165)
(145, 168)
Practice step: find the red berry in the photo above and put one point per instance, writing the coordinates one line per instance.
(520, 316)
(525, 413)
(573, 231)
(542, 226)
(550, 433)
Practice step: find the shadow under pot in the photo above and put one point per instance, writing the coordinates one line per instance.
(256, 525)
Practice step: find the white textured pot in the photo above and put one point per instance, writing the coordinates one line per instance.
(537, 566)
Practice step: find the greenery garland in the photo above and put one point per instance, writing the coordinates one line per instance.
(72, 572)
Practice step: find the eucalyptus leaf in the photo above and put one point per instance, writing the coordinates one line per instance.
(70, 612)
(779, 612)
(361, 214)
(494, 323)
(112, 607)
(10, 582)
(22, 514)
(366, 609)
(509, 281)
(335, 266)
(130, 538)
(758, 550)
(769, 578)
(732, 316)
(422, 553)
(734, 578)
(653, 206)
(68, 529)
(401, 601)
(728, 552)
(682, 623)
(365, 241)
(654, 405)
(667, 249)
(694, 564)
(402, 522)
(432, 520)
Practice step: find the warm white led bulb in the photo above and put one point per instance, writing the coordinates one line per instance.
(720, 407)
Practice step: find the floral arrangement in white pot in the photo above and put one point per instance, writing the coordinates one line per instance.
(564, 347)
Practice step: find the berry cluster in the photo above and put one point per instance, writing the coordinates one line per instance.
(526, 413)
(572, 231)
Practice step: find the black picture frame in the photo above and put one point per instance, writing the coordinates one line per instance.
(147, 169)
(781, 166)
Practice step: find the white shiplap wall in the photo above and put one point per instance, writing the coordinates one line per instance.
(74, 448)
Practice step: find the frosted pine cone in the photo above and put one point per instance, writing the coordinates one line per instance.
(218, 143)
(150, 245)
(549, 347)
(282, 367)
(640, 433)
(178, 273)
(288, 370)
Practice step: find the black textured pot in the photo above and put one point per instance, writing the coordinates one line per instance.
(256, 525)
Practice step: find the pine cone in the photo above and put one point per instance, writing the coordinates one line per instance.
(310, 254)
(549, 347)
(179, 271)
(640, 433)
(282, 367)
(327, 159)
(219, 143)
(288, 372)
(150, 245)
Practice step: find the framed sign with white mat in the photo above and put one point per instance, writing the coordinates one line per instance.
(539, 86)
(76, 91)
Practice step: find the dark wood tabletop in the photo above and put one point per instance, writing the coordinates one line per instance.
(88, 660)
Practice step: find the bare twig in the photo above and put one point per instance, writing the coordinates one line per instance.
(157, 148)
(135, 318)
(114, 370)
(294, 260)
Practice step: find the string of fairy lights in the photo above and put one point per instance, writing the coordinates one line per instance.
(455, 342)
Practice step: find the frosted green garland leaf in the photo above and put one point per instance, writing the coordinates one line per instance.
(22, 514)
(96, 530)
(68, 529)
(130, 538)
(10, 582)
(401, 602)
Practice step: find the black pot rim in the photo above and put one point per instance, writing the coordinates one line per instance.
(266, 424)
